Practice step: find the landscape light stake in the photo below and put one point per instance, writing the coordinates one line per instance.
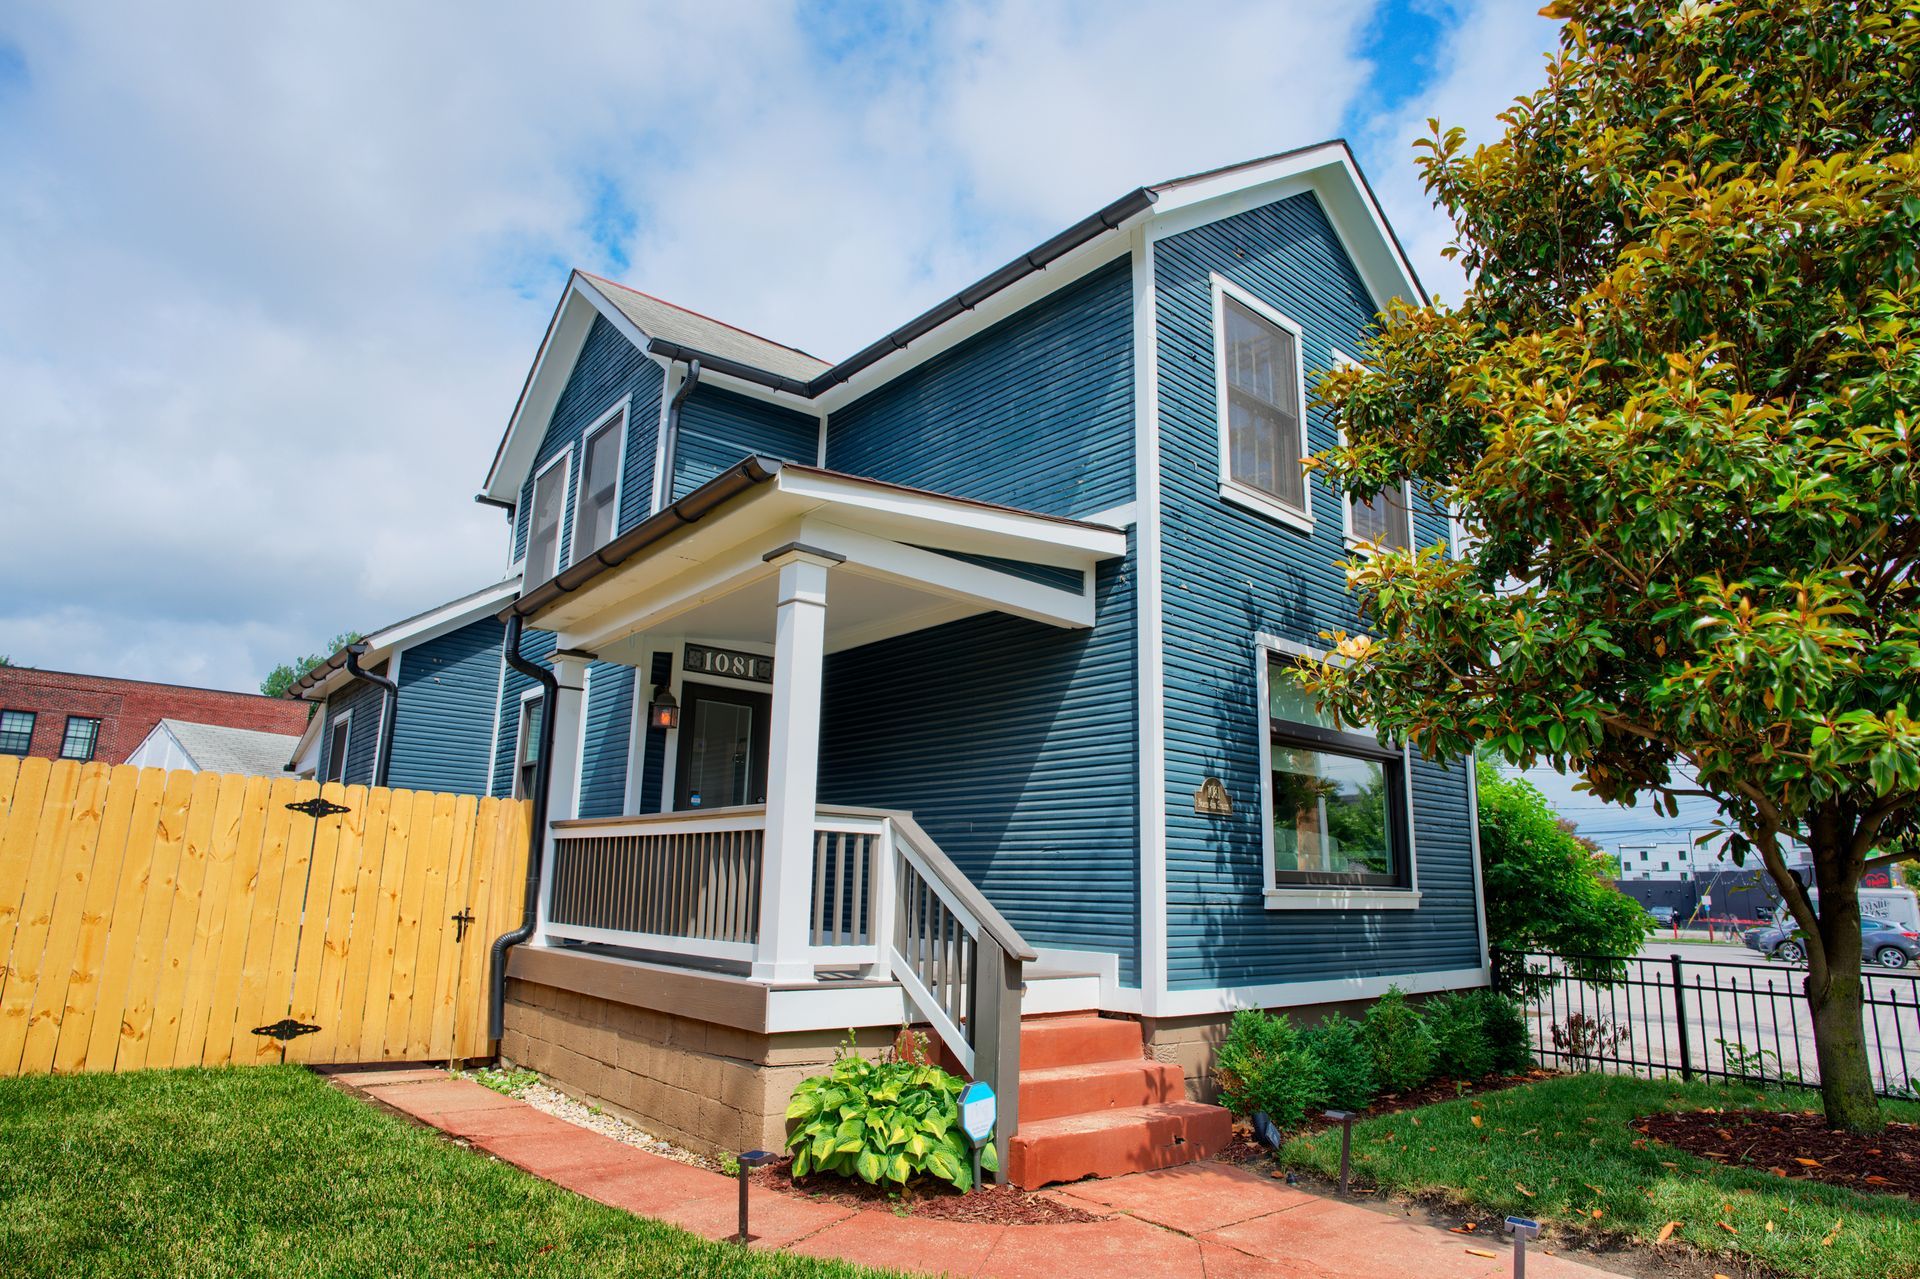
(748, 1160)
(1345, 1119)
(1522, 1230)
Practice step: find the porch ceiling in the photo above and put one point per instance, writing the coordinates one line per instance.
(704, 566)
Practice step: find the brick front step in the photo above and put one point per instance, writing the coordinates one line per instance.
(1076, 1040)
(1111, 1143)
(1054, 1091)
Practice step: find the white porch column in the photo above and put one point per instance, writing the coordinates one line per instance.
(799, 650)
(563, 786)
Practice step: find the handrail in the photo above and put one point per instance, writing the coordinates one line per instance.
(952, 879)
(663, 819)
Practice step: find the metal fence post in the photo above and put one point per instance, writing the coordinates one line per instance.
(1680, 1016)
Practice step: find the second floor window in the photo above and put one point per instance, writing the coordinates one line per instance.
(1385, 520)
(83, 735)
(595, 514)
(16, 732)
(543, 524)
(1263, 440)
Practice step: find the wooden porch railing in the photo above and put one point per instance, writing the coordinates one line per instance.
(886, 901)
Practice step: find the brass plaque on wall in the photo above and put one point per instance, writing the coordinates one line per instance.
(1212, 799)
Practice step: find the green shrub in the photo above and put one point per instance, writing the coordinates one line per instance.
(1401, 1045)
(886, 1120)
(1458, 1024)
(1340, 1050)
(1264, 1065)
(1508, 1039)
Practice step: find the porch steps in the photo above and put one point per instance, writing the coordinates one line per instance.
(1093, 1105)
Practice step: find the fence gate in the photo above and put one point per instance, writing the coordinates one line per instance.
(174, 919)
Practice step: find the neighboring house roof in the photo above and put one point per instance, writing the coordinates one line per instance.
(662, 319)
(671, 332)
(405, 633)
(215, 748)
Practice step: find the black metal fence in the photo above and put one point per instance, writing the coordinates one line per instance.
(1707, 1019)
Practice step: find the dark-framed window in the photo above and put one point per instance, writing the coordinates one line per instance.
(16, 732)
(1339, 796)
(527, 748)
(81, 739)
(339, 733)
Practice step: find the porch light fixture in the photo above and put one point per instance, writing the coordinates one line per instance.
(664, 712)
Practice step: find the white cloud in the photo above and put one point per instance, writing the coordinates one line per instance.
(274, 276)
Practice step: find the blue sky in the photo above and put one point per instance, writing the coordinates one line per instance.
(274, 275)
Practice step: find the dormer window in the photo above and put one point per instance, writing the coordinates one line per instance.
(545, 520)
(1262, 412)
(597, 508)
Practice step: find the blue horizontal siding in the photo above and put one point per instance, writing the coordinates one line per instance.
(1015, 745)
(609, 369)
(448, 688)
(1231, 573)
(607, 732)
(363, 700)
(1035, 412)
(718, 428)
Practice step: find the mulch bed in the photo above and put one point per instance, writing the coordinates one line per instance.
(1796, 1145)
(934, 1200)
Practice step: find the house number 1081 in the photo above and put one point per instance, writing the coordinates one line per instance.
(702, 660)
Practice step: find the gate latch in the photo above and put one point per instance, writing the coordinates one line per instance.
(460, 923)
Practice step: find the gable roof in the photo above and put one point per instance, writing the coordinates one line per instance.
(216, 748)
(405, 633)
(672, 333)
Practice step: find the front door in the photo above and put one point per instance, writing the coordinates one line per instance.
(723, 747)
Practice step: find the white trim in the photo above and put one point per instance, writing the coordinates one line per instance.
(563, 534)
(1238, 491)
(624, 411)
(1298, 994)
(1473, 834)
(1319, 896)
(664, 943)
(637, 732)
(1123, 516)
(1148, 608)
(536, 693)
(346, 748)
(415, 631)
(820, 454)
(669, 387)
(580, 747)
(1103, 964)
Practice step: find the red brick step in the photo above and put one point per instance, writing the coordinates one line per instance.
(1053, 1091)
(1077, 1039)
(1111, 1143)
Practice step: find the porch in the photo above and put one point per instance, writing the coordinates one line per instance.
(759, 906)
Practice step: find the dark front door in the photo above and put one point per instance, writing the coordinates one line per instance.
(723, 747)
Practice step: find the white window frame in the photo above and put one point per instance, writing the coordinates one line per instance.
(1354, 541)
(564, 534)
(1320, 896)
(337, 763)
(623, 411)
(1232, 490)
(527, 697)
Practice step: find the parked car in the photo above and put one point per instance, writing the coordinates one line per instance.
(1662, 915)
(1887, 945)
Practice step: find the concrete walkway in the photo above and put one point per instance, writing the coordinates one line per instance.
(1203, 1220)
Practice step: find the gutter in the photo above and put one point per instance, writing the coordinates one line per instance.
(537, 836)
(1088, 228)
(389, 708)
(692, 508)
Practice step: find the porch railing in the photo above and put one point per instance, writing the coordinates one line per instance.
(886, 903)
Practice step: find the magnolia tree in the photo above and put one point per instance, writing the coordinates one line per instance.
(1675, 412)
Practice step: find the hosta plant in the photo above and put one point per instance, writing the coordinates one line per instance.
(889, 1120)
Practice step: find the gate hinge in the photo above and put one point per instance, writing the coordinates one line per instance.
(317, 807)
(286, 1028)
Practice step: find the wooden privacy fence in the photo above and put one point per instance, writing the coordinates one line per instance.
(151, 919)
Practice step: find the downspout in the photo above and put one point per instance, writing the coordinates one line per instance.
(389, 709)
(672, 441)
(537, 839)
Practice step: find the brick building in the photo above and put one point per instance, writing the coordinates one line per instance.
(57, 714)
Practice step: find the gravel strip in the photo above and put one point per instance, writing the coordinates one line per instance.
(547, 1099)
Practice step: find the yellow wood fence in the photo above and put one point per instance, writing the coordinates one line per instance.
(150, 918)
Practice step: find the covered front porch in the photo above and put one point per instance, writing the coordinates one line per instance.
(739, 594)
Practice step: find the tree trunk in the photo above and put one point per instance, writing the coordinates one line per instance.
(1834, 990)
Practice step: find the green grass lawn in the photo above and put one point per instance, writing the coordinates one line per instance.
(270, 1171)
(1558, 1149)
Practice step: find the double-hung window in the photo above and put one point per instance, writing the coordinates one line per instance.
(1261, 407)
(1337, 799)
(16, 732)
(81, 739)
(596, 508)
(527, 749)
(544, 522)
(1383, 521)
(339, 733)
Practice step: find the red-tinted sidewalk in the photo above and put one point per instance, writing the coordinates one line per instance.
(1204, 1219)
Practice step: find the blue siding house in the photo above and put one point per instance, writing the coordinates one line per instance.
(953, 677)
